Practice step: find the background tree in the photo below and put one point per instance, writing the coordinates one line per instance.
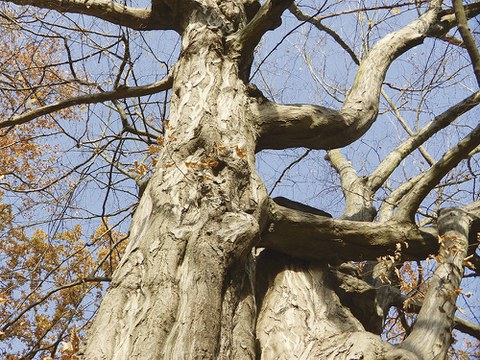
(97, 114)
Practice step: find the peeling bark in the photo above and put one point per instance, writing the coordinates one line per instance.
(190, 284)
(432, 333)
(199, 217)
(307, 235)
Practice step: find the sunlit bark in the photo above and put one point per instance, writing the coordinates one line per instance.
(214, 267)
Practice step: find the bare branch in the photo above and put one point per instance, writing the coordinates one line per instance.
(307, 235)
(119, 93)
(358, 199)
(318, 24)
(432, 177)
(268, 17)
(390, 163)
(405, 126)
(467, 327)
(386, 211)
(467, 37)
(134, 18)
(291, 165)
(316, 127)
(431, 335)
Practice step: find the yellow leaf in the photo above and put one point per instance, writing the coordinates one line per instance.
(395, 11)
(369, 22)
(67, 346)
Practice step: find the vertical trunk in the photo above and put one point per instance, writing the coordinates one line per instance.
(309, 310)
(432, 333)
(297, 307)
(186, 286)
(196, 222)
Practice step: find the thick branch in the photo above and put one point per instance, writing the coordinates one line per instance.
(431, 335)
(134, 18)
(358, 199)
(268, 17)
(243, 42)
(120, 93)
(315, 127)
(467, 327)
(388, 206)
(284, 126)
(467, 37)
(306, 235)
(390, 163)
(473, 209)
(433, 176)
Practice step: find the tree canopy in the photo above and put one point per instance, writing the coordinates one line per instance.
(239, 179)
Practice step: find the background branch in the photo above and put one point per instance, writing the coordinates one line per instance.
(119, 93)
(409, 205)
(134, 18)
(467, 37)
(392, 160)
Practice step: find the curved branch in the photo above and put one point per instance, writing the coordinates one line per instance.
(409, 205)
(310, 236)
(316, 127)
(119, 93)
(388, 206)
(467, 37)
(390, 163)
(134, 18)
(268, 17)
(358, 197)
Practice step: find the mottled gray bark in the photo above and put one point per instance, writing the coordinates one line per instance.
(432, 333)
(183, 289)
(190, 285)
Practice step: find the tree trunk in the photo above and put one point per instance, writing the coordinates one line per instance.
(189, 286)
(184, 287)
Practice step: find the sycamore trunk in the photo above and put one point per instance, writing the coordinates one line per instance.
(179, 291)
(191, 285)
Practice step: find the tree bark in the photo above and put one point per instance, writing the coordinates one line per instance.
(183, 289)
(190, 285)
(432, 333)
